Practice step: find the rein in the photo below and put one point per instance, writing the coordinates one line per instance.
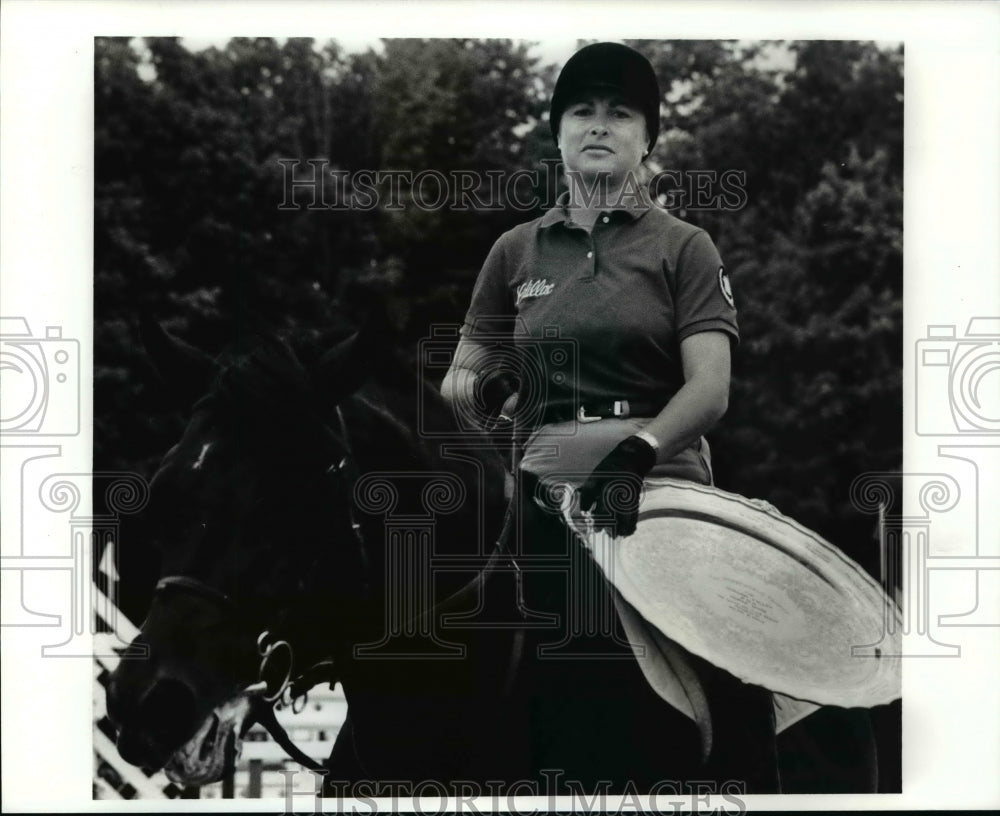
(277, 657)
(263, 693)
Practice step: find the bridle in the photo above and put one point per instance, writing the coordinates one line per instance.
(264, 693)
(267, 646)
(278, 652)
(276, 677)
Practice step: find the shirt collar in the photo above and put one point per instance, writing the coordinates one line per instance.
(634, 206)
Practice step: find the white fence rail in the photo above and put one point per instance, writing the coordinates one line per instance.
(259, 769)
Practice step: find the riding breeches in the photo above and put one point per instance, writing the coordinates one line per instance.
(587, 688)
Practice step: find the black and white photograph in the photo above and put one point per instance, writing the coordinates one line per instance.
(469, 415)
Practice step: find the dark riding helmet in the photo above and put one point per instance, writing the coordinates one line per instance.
(613, 66)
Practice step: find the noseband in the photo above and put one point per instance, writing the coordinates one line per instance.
(267, 648)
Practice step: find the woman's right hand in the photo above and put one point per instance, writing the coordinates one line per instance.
(501, 432)
(496, 392)
(484, 398)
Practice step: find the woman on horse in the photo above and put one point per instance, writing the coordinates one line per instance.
(622, 322)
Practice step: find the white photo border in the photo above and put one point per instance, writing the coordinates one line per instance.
(952, 261)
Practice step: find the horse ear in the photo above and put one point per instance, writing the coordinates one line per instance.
(186, 370)
(343, 369)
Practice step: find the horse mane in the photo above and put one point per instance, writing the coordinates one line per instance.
(269, 396)
(267, 380)
(271, 386)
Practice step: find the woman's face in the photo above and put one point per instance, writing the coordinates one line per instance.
(602, 133)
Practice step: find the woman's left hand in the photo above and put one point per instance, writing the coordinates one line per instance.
(614, 489)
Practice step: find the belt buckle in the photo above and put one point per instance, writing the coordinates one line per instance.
(581, 416)
(620, 409)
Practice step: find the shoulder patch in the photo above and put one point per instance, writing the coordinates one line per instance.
(725, 287)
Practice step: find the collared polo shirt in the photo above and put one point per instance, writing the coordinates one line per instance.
(599, 315)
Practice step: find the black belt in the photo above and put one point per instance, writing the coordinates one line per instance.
(606, 409)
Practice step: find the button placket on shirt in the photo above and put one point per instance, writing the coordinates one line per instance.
(591, 268)
(591, 253)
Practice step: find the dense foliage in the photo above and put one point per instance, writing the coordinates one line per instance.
(189, 225)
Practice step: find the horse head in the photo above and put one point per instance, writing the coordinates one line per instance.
(261, 558)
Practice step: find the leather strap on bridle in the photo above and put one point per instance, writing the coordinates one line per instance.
(263, 698)
(263, 710)
(460, 596)
(263, 713)
(197, 587)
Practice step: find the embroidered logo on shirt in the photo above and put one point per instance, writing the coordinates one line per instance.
(533, 289)
(727, 290)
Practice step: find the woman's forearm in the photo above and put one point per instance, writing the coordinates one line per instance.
(702, 400)
(692, 412)
(457, 388)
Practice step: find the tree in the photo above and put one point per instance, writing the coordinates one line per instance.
(189, 181)
(815, 257)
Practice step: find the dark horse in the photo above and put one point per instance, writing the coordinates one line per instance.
(300, 516)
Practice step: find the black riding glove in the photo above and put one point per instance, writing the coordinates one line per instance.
(491, 390)
(493, 393)
(613, 490)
